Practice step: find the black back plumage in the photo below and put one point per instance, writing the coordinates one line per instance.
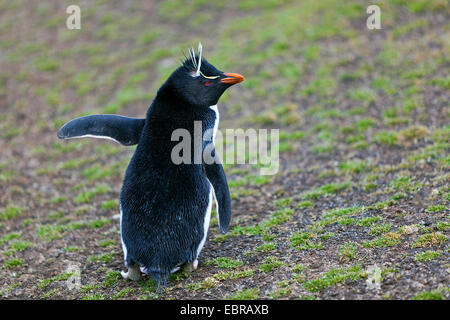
(163, 203)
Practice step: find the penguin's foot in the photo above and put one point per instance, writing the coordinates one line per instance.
(191, 266)
(134, 273)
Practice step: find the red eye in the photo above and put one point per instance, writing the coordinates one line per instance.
(207, 83)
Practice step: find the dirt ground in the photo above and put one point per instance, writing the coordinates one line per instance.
(359, 208)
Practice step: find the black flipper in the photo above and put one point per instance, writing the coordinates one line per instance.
(216, 175)
(123, 130)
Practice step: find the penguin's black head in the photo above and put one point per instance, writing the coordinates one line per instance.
(199, 83)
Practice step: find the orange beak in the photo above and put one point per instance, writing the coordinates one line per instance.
(232, 78)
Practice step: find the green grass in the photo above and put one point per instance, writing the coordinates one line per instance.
(58, 200)
(106, 243)
(431, 240)
(123, 293)
(278, 217)
(10, 212)
(110, 205)
(404, 184)
(266, 247)
(94, 296)
(104, 257)
(331, 188)
(388, 138)
(111, 279)
(322, 148)
(246, 294)
(148, 37)
(442, 226)
(46, 64)
(354, 166)
(99, 223)
(21, 245)
(333, 277)
(87, 196)
(304, 241)
(261, 229)
(72, 249)
(49, 232)
(45, 283)
(13, 263)
(270, 263)
(368, 221)
(205, 284)
(98, 172)
(9, 237)
(427, 256)
(225, 263)
(55, 215)
(436, 209)
(283, 202)
(74, 163)
(437, 294)
(363, 95)
(305, 204)
(378, 229)
(387, 240)
(233, 275)
(347, 252)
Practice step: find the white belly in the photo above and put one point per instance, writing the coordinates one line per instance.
(124, 248)
(207, 219)
(211, 190)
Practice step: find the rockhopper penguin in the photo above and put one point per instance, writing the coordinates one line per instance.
(165, 207)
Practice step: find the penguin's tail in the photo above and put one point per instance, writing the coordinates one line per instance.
(159, 275)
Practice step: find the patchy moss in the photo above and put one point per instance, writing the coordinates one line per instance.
(225, 263)
(347, 252)
(104, 257)
(368, 221)
(49, 232)
(110, 205)
(387, 240)
(379, 229)
(246, 294)
(386, 138)
(21, 245)
(206, 284)
(404, 184)
(266, 247)
(123, 293)
(13, 263)
(10, 236)
(436, 209)
(233, 274)
(270, 263)
(10, 212)
(319, 192)
(87, 196)
(436, 294)
(305, 204)
(111, 278)
(333, 277)
(427, 256)
(45, 283)
(431, 240)
(411, 134)
(304, 241)
(99, 223)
